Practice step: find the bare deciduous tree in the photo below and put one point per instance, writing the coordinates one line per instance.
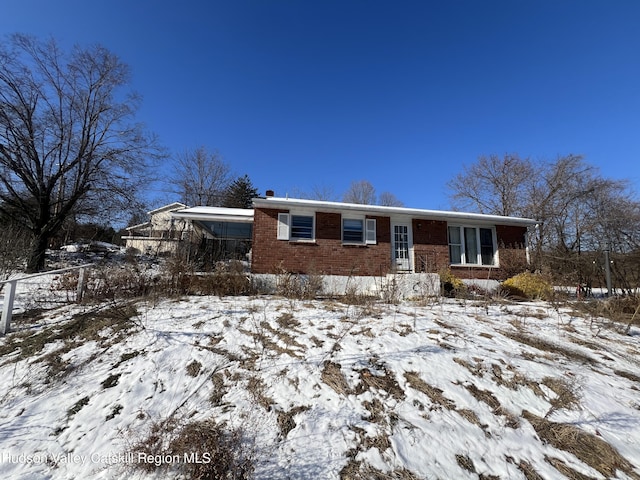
(68, 144)
(318, 192)
(361, 192)
(493, 185)
(364, 193)
(201, 177)
(578, 210)
(14, 248)
(388, 199)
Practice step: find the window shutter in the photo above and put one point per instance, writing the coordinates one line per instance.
(370, 231)
(283, 226)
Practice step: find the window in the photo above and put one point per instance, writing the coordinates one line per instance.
(301, 227)
(352, 230)
(295, 227)
(471, 245)
(359, 231)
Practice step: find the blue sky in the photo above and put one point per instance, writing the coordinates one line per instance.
(303, 94)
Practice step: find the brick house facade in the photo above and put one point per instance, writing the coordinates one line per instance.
(333, 238)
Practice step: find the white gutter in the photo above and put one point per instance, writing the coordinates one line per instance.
(279, 202)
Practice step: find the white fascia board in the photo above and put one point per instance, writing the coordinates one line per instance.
(325, 206)
(171, 206)
(216, 214)
(139, 226)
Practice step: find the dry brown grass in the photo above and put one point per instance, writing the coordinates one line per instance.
(287, 320)
(268, 344)
(219, 389)
(566, 470)
(111, 381)
(200, 450)
(257, 388)
(377, 411)
(466, 463)
(333, 377)
(527, 469)
(284, 336)
(193, 368)
(434, 393)
(286, 421)
(588, 448)
(381, 380)
(82, 327)
(365, 442)
(471, 417)
(546, 346)
(477, 369)
(628, 375)
(622, 311)
(356, 470)
(567, 396)
(489, 398)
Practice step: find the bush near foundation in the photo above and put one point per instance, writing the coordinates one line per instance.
(452, 286)
(528, 285)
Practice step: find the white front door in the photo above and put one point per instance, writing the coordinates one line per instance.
(401, 247)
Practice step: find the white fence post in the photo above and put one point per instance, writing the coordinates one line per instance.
(10, 292)
(7, 306)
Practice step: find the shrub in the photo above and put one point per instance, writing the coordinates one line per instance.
(198, 450)
(528, 285)
(299, 286)
(451, 285)
(226, 278)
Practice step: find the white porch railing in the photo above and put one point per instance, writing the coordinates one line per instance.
(11, 286)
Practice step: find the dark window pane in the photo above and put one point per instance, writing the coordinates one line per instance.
(471, 245)
(486, 246)
(301, 227)
(352, 231)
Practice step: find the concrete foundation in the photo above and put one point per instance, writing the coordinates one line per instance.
(399, 286)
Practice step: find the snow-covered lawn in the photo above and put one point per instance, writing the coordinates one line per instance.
(324, 390)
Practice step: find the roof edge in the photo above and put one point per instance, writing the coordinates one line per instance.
(267, 202)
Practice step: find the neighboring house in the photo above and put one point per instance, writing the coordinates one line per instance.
(332, 238)
(220, 233)
(161, 235)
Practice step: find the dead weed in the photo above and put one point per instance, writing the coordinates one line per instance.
(588, 448)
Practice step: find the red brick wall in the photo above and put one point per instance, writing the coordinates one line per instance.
(511, 237)
(430, 245)
(327, 255)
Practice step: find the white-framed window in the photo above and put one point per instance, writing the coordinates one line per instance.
(359, 231)
(294, 227)
(471, 245)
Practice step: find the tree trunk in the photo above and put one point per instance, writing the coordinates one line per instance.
(35, 261)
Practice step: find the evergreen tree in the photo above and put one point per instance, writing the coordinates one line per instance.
(240, 193)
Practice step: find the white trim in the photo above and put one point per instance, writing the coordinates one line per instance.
(313, 226)
(410, 249)
(465, 263)
(283, 226)
(370, 231)
(220, 214)
(170, 207)
(324, 206)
